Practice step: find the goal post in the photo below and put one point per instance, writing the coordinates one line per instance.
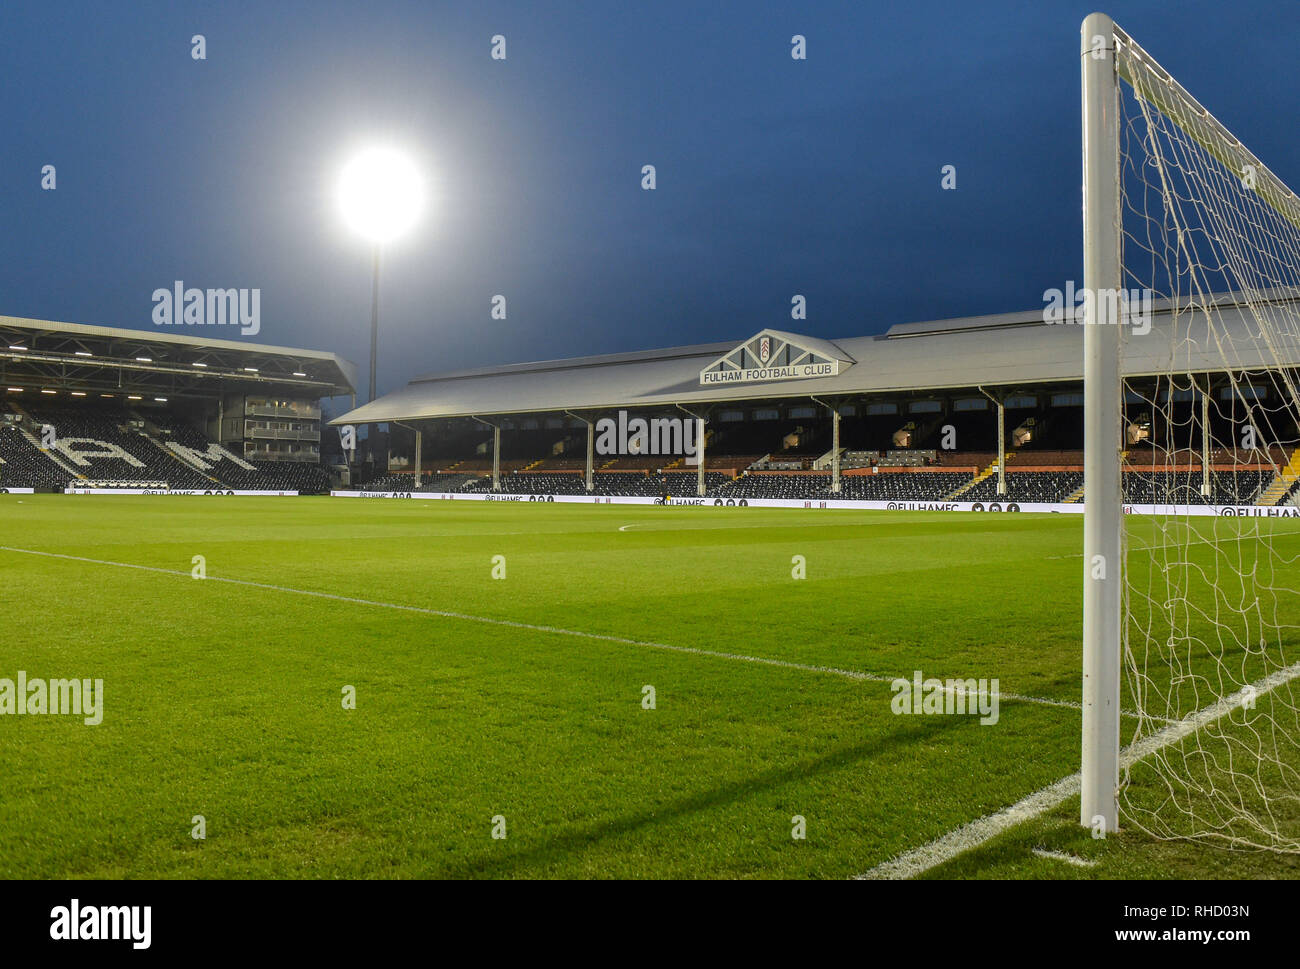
(1103, 498)
(1191, 344)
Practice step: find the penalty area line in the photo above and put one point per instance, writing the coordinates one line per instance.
(534, 627)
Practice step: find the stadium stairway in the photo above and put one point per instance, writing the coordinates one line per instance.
(73, 473)
(827, 460)
(721, 490)
(1283, 483)
(984, 475)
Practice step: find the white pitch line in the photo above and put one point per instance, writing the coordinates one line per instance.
(1065, 857)
(977, 832)
(959, 840)
(532, 627)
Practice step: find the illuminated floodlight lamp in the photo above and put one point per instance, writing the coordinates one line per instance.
(380, 194)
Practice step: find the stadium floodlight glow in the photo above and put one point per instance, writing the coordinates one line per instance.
(134, 397)
(297, 374)
(380, 194)
(50, 392)
(15, 390)
(12, 347)
(161, 400)
(250, 370)
(144, 359)
(78, 393)
(81, 353)
(199, 364)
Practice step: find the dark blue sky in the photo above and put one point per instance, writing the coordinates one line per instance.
(775, 176)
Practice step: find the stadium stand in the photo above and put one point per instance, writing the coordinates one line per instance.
(300, 476)
(434, 481)
(683, 484)
(1051, 487)
(901, 485)
(108, 446)
(555, 483)
(628, 484)
(885, 486)
(1184, 487)
(1036, 473)
(189, 446)
(24, 465)
(632, 463)
(97, 407)
(773, 484)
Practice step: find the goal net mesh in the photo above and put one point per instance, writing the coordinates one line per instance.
(1211, 631)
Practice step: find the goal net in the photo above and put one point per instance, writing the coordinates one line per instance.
(1208, 246)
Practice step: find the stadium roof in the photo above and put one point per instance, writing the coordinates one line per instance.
(1006, 351)
(47, 354)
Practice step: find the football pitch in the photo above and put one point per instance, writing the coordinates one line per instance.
(547, 690)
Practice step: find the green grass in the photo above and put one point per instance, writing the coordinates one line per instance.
(223, 700)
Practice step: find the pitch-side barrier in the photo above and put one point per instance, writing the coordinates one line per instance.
(1227, 511)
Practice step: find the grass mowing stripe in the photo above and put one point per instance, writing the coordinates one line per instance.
(532, 627)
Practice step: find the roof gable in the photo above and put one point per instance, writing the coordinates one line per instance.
(776, 355)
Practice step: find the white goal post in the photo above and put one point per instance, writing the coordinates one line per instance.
(1198, 619)
(1102, 494)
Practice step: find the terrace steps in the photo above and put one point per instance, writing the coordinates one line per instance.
(1283, 483)
(51, 454)
(984, 475)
